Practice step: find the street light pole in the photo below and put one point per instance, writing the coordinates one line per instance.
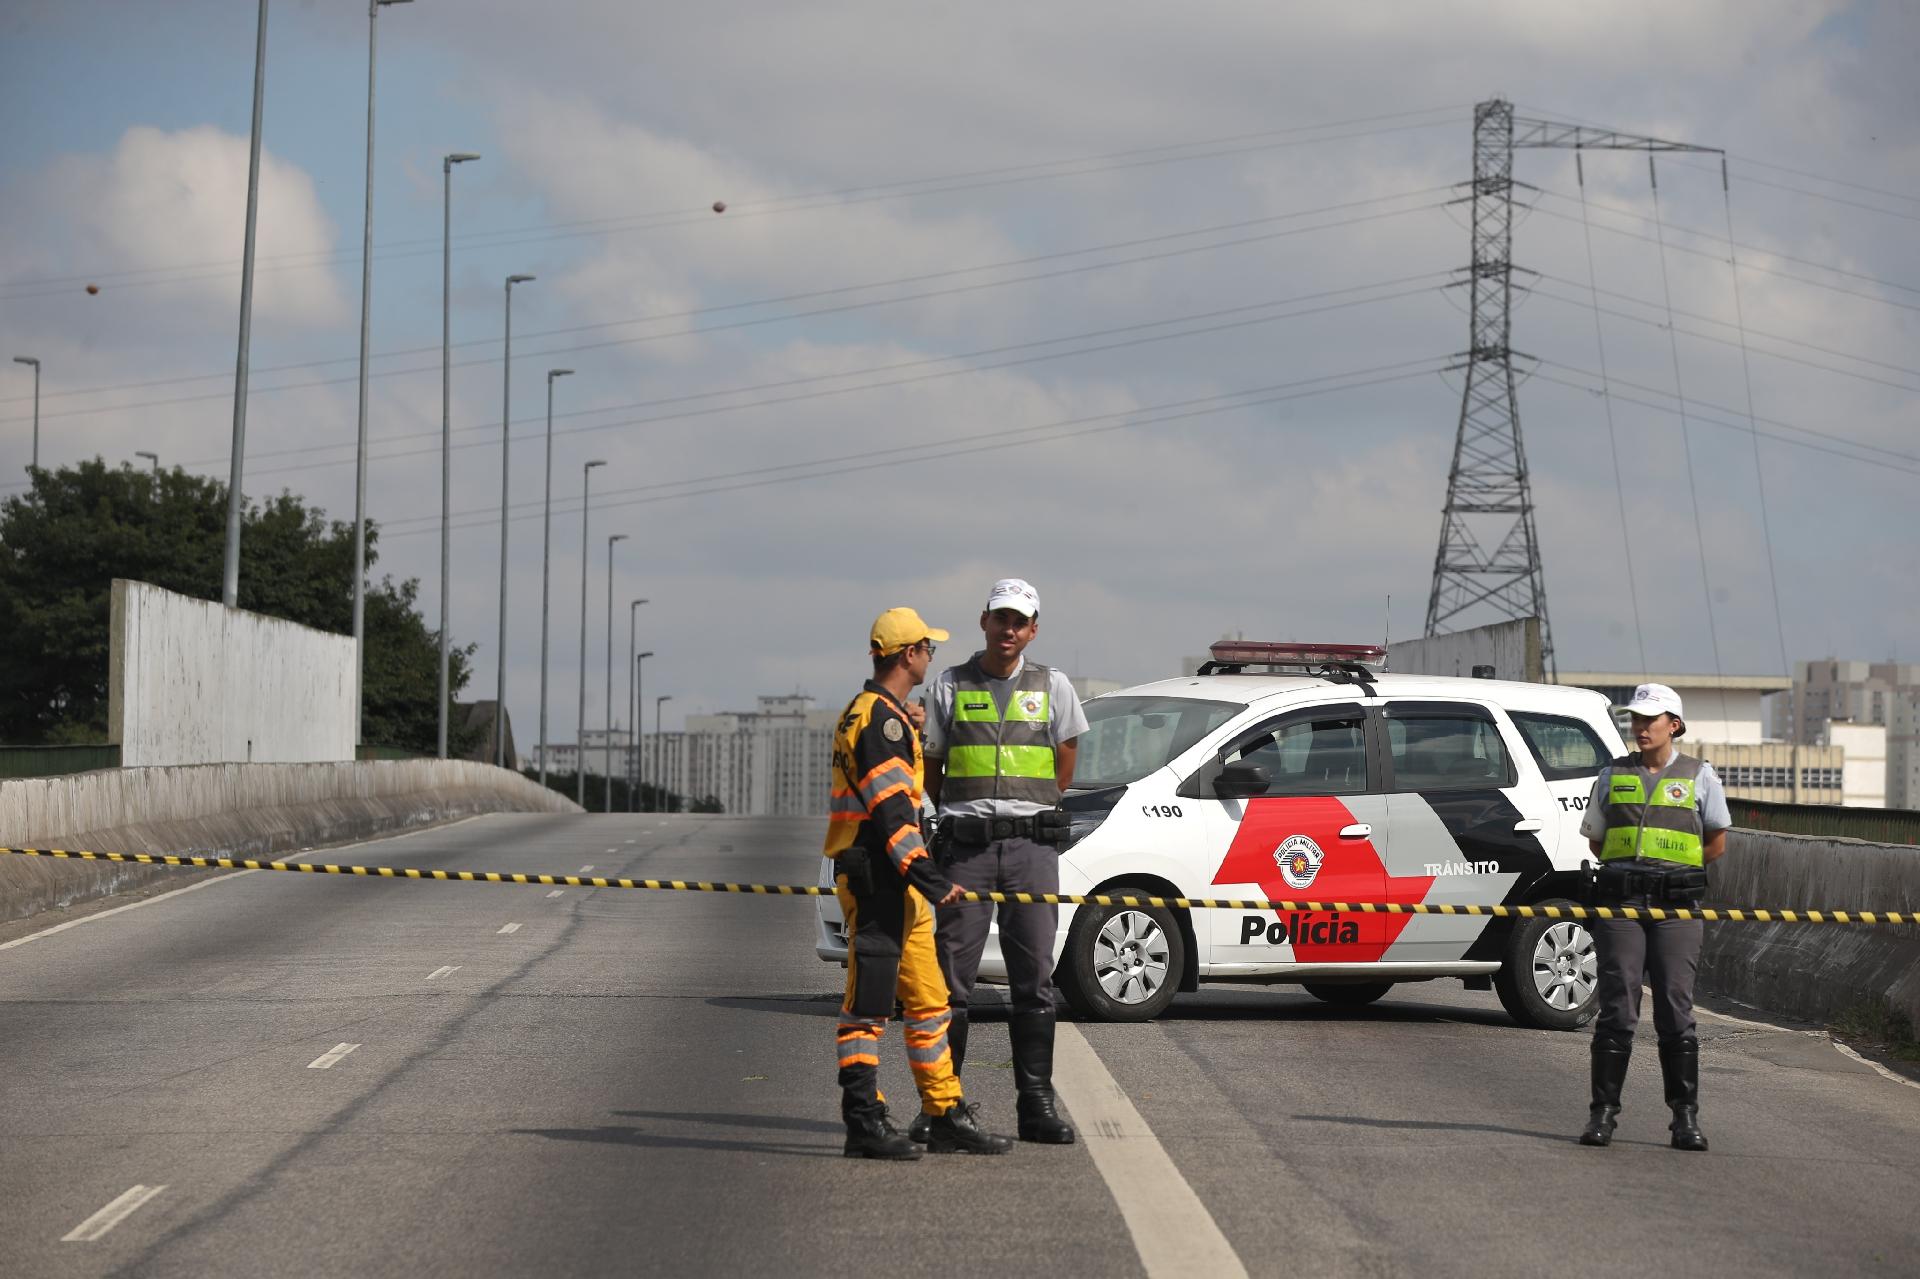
(151, 457)
(633, 725)
(617, 537)
(237, 464)
(446, 419)
(360, 453)
(34, 465)
(580, 766)
(659, 749)
(546, 569)
(638, 769)
(506, 471)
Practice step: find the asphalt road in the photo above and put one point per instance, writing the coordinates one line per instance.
(633, 1082)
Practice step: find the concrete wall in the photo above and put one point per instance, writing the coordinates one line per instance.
(228, 810)
(1814, 971)
(1511, 648)
(194, 682)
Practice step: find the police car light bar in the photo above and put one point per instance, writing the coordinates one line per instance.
(1264, 653)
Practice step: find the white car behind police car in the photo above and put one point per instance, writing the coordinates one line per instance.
(1301, 772)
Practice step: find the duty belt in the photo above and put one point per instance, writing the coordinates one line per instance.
(1617, 880)
(1045, 827)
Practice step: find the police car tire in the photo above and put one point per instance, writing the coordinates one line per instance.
(1081, 983)
(1347, 994)
(1515, 985)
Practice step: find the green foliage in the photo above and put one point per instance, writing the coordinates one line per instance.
(63, 543)
(652, 799)
(1876, 1024)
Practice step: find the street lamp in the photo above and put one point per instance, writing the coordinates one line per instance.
(580, 770)
(34, 465)
(446, 418)
(546, 569)
(360, 453)
(506, 470)
(617, 537)
(659, 751)
(633, 725)
(237, 464)
(155, 457)
(637, 757)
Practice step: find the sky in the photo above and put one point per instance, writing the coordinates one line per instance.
(1155, 306)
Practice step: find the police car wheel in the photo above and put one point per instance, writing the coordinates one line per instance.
(1347, 994)
(1550, 973)
(1123, 963)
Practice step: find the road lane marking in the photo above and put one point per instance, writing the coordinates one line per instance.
(445, 970)
(558, 892)
(106, 914)
(111, 1215)
(1172, 1230)
(510, 928)
(589, 866)
(326, 1059)
(1877, 1068)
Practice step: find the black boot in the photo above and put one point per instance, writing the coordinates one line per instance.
(957, 1050)
(1033, 1077)
(870, 1134)
(956, 1132)
(1611, 1052)
(1680, 1069)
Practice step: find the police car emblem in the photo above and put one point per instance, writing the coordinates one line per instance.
(892, 731)
(1299, 861)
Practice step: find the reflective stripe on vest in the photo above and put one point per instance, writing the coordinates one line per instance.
(1663, 824)
(990, 757)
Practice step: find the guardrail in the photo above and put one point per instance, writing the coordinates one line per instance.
(55, 761)
(1874, 825)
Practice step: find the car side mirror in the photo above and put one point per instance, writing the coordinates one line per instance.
(1241, 780)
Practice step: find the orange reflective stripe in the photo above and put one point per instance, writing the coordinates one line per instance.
(884, 765)
(898, 788)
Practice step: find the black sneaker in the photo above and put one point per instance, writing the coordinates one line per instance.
(873, 1136)
(958, 1132)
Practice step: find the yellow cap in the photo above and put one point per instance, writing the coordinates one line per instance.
(899, 628)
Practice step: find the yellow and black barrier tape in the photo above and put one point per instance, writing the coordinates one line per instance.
(1710, 913)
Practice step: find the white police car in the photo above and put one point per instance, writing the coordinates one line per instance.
(1302, 772)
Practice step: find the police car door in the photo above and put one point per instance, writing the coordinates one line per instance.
(1318, 832)
(1469, 819)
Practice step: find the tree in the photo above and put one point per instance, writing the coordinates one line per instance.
(63, 542)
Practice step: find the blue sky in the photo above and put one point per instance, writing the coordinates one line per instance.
(1292, 518)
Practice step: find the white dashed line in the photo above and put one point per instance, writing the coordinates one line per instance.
(589, 865)
(613, 850)
(558, 892)
(510, 928)
(1172, 1230)
(111, 1215)
(326, 1059)
(443, 971)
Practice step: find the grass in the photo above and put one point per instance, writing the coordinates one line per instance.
(1879, 1024)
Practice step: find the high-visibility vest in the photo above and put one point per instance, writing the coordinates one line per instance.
(994, 757)
(1661, 821)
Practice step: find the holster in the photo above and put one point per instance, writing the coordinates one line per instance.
(1622, 880)
(856, 863)
(940, 844)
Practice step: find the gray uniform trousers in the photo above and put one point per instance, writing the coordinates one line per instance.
(1026, 931)
(1665, 953)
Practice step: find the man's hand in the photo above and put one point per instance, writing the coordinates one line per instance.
(954, 894)
(917, 714)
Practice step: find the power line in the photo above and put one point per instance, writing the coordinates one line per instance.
(1160, 255)
(778, 205)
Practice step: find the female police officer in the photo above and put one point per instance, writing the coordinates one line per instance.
(1656, 818)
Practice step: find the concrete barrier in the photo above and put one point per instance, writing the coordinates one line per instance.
(1814, 971)
(229, 810)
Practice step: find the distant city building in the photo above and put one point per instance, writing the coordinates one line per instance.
(1857, 692)
(1765, 770)
(1903, 749)
(1729, 709)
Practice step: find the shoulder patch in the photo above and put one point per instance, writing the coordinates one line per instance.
(892, 730)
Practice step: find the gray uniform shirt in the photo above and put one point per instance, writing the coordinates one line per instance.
(1065, 721)
(1708, 798)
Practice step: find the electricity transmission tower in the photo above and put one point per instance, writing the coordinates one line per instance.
(1488, 563)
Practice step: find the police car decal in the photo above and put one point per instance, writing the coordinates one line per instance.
(1350, 870)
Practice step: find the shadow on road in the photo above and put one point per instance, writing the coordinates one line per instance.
(1434, 1125)
(795, 1005)
(737, 1121)
(616, 1135)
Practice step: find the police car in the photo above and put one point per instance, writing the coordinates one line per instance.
(1306, 772)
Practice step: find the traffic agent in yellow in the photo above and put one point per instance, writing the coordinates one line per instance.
(886, 883)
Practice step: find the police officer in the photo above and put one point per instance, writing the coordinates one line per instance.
(1655, 819)
(885, 879)
(1001, 737)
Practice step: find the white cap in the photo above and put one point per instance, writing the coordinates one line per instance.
(1654, 699)
(1011, 592)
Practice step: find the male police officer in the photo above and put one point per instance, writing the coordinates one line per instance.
(1655, 819)
(885, 880)
(1001, 734)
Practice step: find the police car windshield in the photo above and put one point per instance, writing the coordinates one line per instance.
(1129, 737)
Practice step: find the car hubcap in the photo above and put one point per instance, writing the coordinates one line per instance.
(1564, 966)
(1130, 957)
